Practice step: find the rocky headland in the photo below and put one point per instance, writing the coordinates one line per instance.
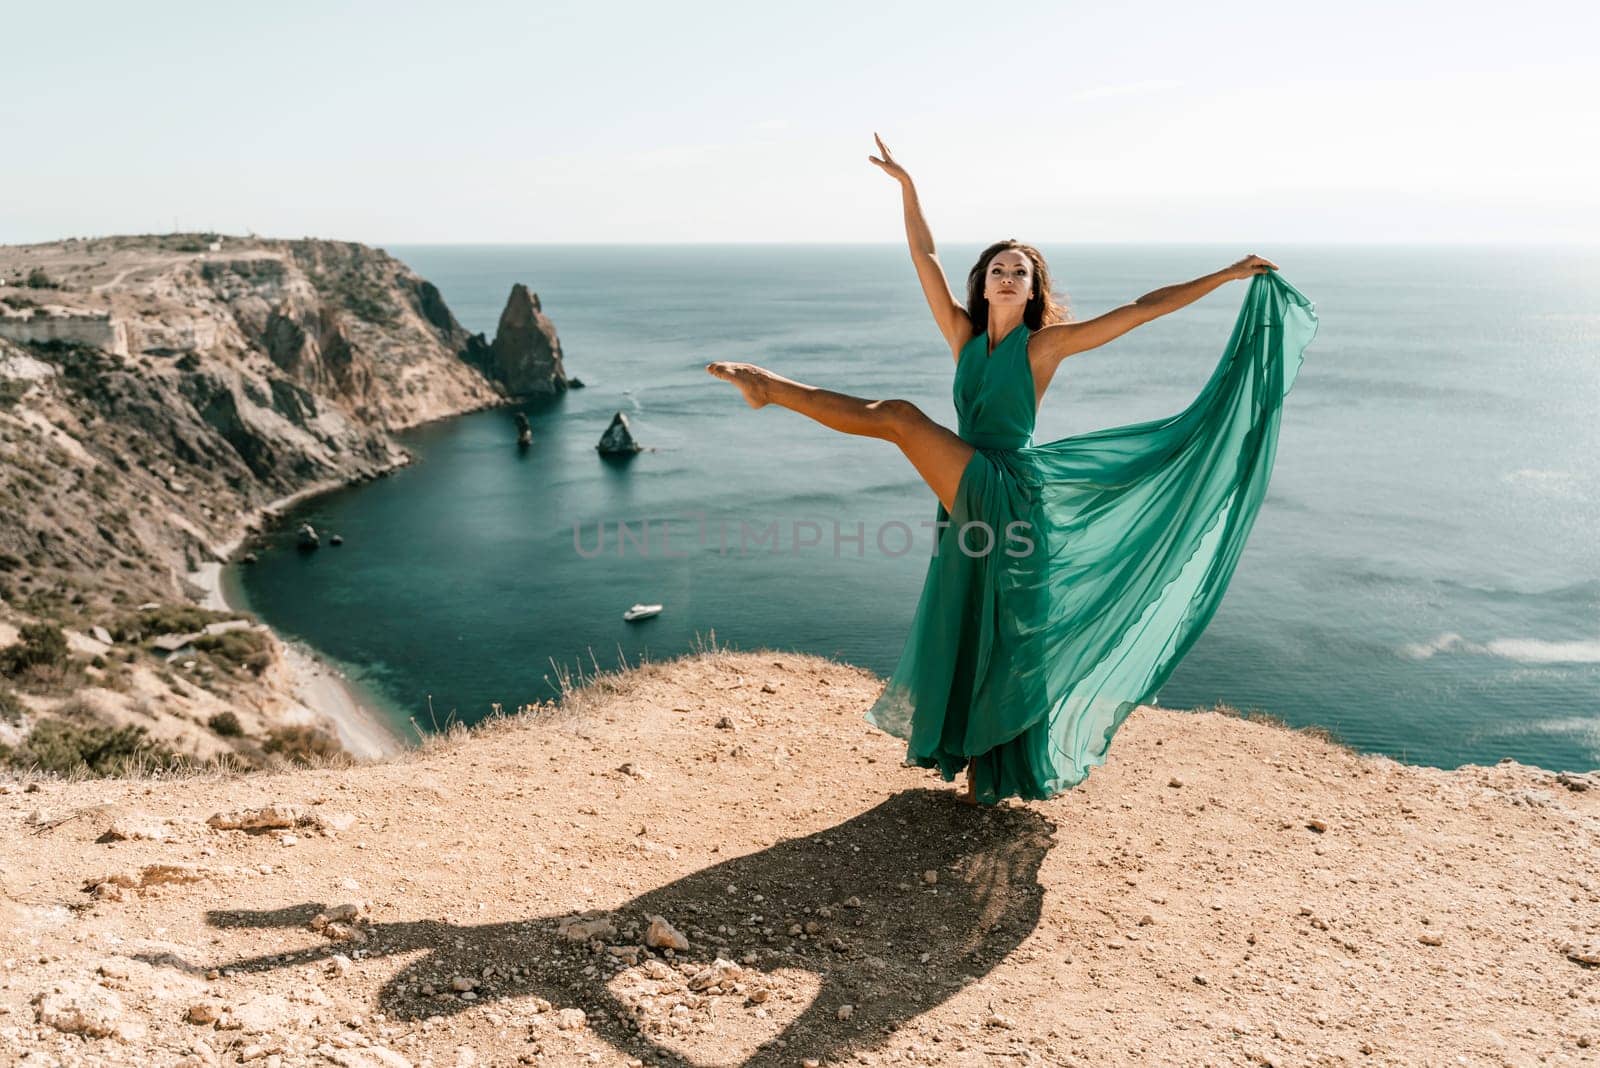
(160, 396)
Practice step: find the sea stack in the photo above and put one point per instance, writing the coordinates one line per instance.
(525, 356)
(524, 430)
(618, 438)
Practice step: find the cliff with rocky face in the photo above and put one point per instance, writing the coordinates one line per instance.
(156, 394)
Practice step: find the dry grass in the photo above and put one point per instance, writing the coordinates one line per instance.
(140, 767)
(579, 693)
(1310, 730)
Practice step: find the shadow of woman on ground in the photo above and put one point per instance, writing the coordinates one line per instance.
(875, 935)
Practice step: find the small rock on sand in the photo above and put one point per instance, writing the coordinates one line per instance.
(84, 1009)
(662, 935)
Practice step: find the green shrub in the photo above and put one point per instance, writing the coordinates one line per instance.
(303, 744)
(249, 649)
(42, 645)
(11, 709)
(58, 746)
(38, 279)
(226, 724)
(165, 619)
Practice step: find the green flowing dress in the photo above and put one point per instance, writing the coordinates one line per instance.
(1071, 577)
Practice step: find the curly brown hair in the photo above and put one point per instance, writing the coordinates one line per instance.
(1043, 308)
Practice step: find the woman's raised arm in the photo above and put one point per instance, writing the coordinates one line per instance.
(947, 311)
(1061, 340)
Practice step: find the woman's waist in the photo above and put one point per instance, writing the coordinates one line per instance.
(1003, 442)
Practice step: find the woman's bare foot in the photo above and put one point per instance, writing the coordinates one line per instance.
(751, 380)
(967, 795)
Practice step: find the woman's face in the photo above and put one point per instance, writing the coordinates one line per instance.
(1008, 279)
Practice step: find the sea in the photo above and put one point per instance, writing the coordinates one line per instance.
(1423, 578)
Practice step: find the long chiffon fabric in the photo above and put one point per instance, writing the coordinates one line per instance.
(1072, 577)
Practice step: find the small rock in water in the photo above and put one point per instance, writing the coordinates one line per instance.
(618, 438)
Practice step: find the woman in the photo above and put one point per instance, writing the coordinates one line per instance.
(1068, 579)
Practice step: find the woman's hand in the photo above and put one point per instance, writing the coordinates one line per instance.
(887, 163)
(1251, 264)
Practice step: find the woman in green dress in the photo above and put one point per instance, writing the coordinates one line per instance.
(1067, 578)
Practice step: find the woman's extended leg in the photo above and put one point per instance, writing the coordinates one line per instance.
(938, 454)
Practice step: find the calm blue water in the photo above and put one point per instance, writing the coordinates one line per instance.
(1423, 578)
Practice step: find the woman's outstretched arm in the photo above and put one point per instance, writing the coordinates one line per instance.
(947, 312)
(1061, 340)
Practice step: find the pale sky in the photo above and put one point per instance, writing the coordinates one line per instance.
(391, 123)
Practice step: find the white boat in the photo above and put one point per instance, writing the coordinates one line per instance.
(641, 611)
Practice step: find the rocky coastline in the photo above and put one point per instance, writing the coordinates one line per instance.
(161, 397)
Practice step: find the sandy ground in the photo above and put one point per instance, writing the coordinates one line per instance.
(1222, 892)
